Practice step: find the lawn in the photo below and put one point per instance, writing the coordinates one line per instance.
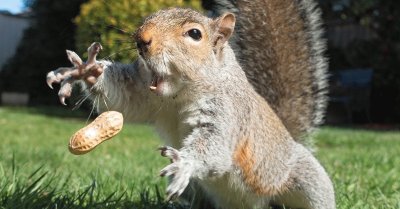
(37, 170)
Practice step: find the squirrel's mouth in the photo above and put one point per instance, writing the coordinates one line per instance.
(156, 83)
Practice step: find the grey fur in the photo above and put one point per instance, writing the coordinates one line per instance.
(259, 63)
(223, 136)
(215, 123)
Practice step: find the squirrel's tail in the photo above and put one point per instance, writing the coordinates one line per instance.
(279, 45)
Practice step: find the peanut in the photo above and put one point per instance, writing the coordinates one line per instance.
(103, 128)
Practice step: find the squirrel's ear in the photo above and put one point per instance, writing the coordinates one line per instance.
(224, 26)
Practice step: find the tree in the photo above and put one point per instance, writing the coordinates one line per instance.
(42, 49)
(112, 24)
(381, 53)
(53, 30)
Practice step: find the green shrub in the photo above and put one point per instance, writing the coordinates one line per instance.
(112, 22)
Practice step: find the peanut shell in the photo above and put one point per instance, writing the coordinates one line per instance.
(104, 127)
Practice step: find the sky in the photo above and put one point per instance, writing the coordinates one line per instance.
(14, 6)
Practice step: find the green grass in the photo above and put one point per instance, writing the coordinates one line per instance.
(36, 167)
(37, 170)
(364, 166)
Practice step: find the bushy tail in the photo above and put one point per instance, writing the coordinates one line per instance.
(279, 44)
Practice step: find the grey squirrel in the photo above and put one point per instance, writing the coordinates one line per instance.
(236, 148)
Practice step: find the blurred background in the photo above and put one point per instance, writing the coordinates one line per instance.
(37, 170)
(363, 48)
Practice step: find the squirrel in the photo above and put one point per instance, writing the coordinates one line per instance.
(234, 115)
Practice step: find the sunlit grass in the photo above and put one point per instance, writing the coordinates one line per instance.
(37, 170)
(364, 165)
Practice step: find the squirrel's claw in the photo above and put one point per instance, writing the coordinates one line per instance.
(74, 58)
(59, 75)
(62, 100)
(179, 181)
(89, 72)
(51, 78)
(93, 50)
(170, 152)
(65, 89)
(179, 170)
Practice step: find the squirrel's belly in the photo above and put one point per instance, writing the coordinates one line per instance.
(229, 192)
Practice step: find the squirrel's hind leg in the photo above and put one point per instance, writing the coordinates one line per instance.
(311, 186)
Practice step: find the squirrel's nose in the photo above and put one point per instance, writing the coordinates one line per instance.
(143, 45)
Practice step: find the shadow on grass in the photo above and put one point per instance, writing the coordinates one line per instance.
(367, 127)
(55, 111)
(38, 192)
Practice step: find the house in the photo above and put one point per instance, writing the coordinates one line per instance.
(11, 31)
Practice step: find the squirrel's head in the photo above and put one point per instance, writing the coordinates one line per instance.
(178, 46)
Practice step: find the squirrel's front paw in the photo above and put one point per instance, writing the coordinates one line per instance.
(88, 71)
(179, 171)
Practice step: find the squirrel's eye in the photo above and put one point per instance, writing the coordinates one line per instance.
(195, 34)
